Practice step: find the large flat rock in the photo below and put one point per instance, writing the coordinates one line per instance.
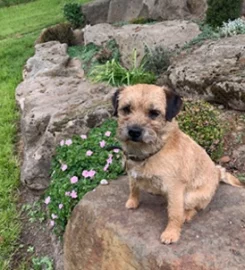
(169, 35)
(103, 235)
(215, 71)
(102, 11)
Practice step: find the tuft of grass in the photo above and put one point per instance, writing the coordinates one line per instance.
(200, 120)
(142, 20)
(69, 182)
(115, 74)
(156, 60)
(92, 55)
(73, 14)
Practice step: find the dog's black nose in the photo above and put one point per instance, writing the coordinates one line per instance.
(135, 133)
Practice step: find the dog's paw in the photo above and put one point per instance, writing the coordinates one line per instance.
(170, 236)
(132, 203)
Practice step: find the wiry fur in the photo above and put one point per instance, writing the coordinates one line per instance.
(168, 161)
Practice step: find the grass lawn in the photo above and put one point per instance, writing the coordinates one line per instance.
(20, 26)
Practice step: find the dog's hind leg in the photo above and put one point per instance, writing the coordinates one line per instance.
(133, 200)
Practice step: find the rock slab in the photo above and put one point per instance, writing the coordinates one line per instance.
(111, 11)
(103, 235)
(56, 102)
(169, 34)
(215, 71)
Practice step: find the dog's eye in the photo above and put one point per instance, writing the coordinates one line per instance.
(126, 109)
(153, 114)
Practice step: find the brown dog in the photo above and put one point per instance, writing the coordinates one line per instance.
(161, 159)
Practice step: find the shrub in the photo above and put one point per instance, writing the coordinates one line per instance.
(156, 60)
(74, 15)
(78, 167)
(200, 120)
(61, 32)
(220, 11)
(232, 28)
(115, 74)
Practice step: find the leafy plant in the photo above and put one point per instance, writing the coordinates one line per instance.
(156, 60)
(78, 167)
(115, 74)
(232, 28)
(208, 32)
(74, 15)
(40, 263)
(34, 211)
(91, 54)
(200, 120)
(220, 11)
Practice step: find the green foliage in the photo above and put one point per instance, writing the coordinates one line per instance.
(156, 60)
(200, 120)
(78, 160)
(220, 11)
(7, 3)
(208, 32)
(74, 15)
(115, 74)
(142, 20)
(61, 32)
(232, 28)
(40, 263)
(34, 211)
(92, 55)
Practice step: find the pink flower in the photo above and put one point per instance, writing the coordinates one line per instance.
(74, 179)
(62, 143)
(64, 167)
(106, 167)
(47, 200)
(102, 144)
(87, 174)
(54, 216)
(60, 206)
(92, 173)
(89, 153)
(84, 137)
(51, 223)
(68, 142)
(108, 134)
(67, 193)
(116, 150)
(74, 194)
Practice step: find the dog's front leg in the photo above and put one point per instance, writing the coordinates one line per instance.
(175, 216)
(133, 200)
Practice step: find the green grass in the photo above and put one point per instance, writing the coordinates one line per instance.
(7, 3)
(20, 26)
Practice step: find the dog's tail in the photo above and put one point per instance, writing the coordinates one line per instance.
(228, 178)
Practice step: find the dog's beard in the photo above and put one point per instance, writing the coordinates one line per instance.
(150, 143)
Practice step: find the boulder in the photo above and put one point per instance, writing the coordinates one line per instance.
(169, 34)
(111, 11)
(214, 71)
(55, 102)
(102, 234)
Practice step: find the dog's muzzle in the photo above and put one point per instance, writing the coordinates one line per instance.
(135, 133)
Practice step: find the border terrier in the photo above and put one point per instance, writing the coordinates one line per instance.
(161, 159)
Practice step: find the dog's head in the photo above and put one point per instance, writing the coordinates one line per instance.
(144, 114)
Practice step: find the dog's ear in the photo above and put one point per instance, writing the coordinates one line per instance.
(173, 106)
(115, 102)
